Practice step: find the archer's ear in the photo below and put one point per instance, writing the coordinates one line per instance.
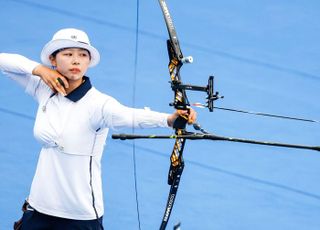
(53, 60)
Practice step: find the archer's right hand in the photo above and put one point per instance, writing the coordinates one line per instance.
(50, 77)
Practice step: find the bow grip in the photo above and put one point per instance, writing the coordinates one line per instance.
(180, 123)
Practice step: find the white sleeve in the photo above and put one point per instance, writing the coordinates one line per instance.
(15, 63)
(118, 116)
(19, 68)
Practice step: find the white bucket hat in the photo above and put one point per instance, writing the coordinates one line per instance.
(69, 38)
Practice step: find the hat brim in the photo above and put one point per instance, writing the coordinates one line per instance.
(55, 45)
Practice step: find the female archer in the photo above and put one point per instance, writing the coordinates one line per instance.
(72, 123)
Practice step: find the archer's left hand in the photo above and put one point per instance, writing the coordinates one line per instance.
(190, 115)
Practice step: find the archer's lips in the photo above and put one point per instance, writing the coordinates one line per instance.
(75, 70)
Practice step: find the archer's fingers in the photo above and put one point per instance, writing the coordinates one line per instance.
(63, 82)
(58, 86)
(192, 116)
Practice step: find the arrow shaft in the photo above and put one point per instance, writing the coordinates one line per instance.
(266, 114)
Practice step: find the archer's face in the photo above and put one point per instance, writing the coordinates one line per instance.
(72, 63)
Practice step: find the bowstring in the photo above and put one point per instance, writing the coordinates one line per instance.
(133, 105)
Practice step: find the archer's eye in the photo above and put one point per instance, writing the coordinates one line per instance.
(84, 54)
(67, 54)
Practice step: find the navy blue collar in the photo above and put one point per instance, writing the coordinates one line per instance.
(79, 92)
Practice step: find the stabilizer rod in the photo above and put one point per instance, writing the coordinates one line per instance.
(209, 136)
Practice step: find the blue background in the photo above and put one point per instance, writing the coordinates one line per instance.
(265, 57)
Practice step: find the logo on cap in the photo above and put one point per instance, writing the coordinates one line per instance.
(74, 37)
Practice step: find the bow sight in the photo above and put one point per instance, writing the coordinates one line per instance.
(209, 89)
